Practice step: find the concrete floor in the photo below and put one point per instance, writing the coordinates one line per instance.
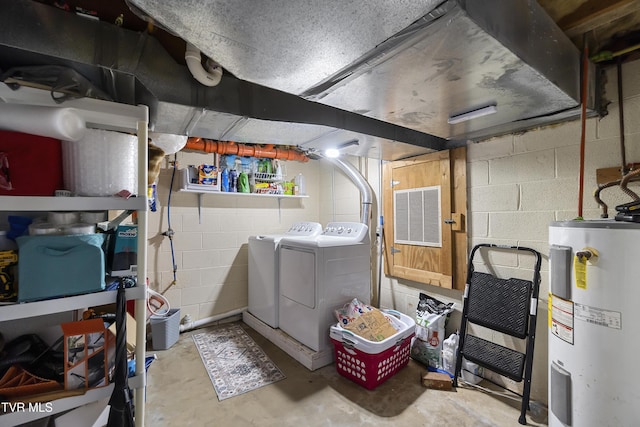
(180, 393)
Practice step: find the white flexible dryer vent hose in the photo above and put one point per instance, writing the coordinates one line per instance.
(194, 62)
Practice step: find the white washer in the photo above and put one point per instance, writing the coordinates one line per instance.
(263, 270)
(321, 274)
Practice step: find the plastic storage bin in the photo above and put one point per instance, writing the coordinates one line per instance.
(371, 363)
(34, 164)
(165, 329)
(57, 266)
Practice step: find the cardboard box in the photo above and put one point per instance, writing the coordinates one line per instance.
(89, 351)
(131, 333)
(373, 326)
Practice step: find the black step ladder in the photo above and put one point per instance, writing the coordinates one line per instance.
(508, 306)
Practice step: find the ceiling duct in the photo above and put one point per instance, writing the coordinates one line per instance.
(134, 68)
(390, 73)
(414, 64)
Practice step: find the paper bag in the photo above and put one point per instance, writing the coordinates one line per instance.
(373, 326)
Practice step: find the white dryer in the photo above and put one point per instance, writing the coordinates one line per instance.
(263, 270)
(320, 274)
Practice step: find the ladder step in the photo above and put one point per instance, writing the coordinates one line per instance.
(499, 304)
(495, 357)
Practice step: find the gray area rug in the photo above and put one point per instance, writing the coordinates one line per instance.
(235, 363)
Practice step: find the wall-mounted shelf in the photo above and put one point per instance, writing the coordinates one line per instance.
(188, 187)
(226, 193)
(200, 189)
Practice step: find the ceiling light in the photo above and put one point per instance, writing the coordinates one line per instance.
(332, 153)
(473, 114)
(335, 151)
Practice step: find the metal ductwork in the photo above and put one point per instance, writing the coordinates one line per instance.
(425, 65)
(311, 74)
(134, 68)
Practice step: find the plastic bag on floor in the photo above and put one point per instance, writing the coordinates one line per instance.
(431, 318)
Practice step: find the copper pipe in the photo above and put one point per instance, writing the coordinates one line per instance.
(585, 82)
(624, 169)
(244, 150)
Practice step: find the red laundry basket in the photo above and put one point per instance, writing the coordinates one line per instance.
(371, 363)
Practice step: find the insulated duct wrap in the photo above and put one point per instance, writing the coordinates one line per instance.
(100, 164)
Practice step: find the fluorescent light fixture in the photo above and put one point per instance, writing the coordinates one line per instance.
(473, 114)
(335, 152)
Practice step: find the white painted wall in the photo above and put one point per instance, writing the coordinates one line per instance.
(518, 184)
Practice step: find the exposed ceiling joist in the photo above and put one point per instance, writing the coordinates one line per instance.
(594, 14)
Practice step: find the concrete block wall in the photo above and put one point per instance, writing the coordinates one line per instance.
(518, 184)
(210, 247)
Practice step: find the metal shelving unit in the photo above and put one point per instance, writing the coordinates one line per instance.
(104, 115)
(43, 308)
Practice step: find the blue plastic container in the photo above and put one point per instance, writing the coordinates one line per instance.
(56, 266)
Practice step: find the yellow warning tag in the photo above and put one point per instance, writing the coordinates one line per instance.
(549, 308)
(580, 271)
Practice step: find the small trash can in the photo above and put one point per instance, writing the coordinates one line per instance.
(165, 329)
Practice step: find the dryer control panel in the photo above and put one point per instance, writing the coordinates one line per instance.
(352, 230)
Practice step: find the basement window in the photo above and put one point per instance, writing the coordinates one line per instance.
(417, 216)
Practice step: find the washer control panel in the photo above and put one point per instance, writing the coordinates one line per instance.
(305, 229)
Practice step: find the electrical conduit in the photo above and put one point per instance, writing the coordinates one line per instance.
(230, 147)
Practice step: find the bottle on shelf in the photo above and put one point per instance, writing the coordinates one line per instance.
(299, 183)
(233, 181)
(225, 180)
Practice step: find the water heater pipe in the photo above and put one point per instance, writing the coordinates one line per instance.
(583, 118)
(231, 147)
(625, 180)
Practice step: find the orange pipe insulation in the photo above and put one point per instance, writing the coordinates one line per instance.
(230, 147)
